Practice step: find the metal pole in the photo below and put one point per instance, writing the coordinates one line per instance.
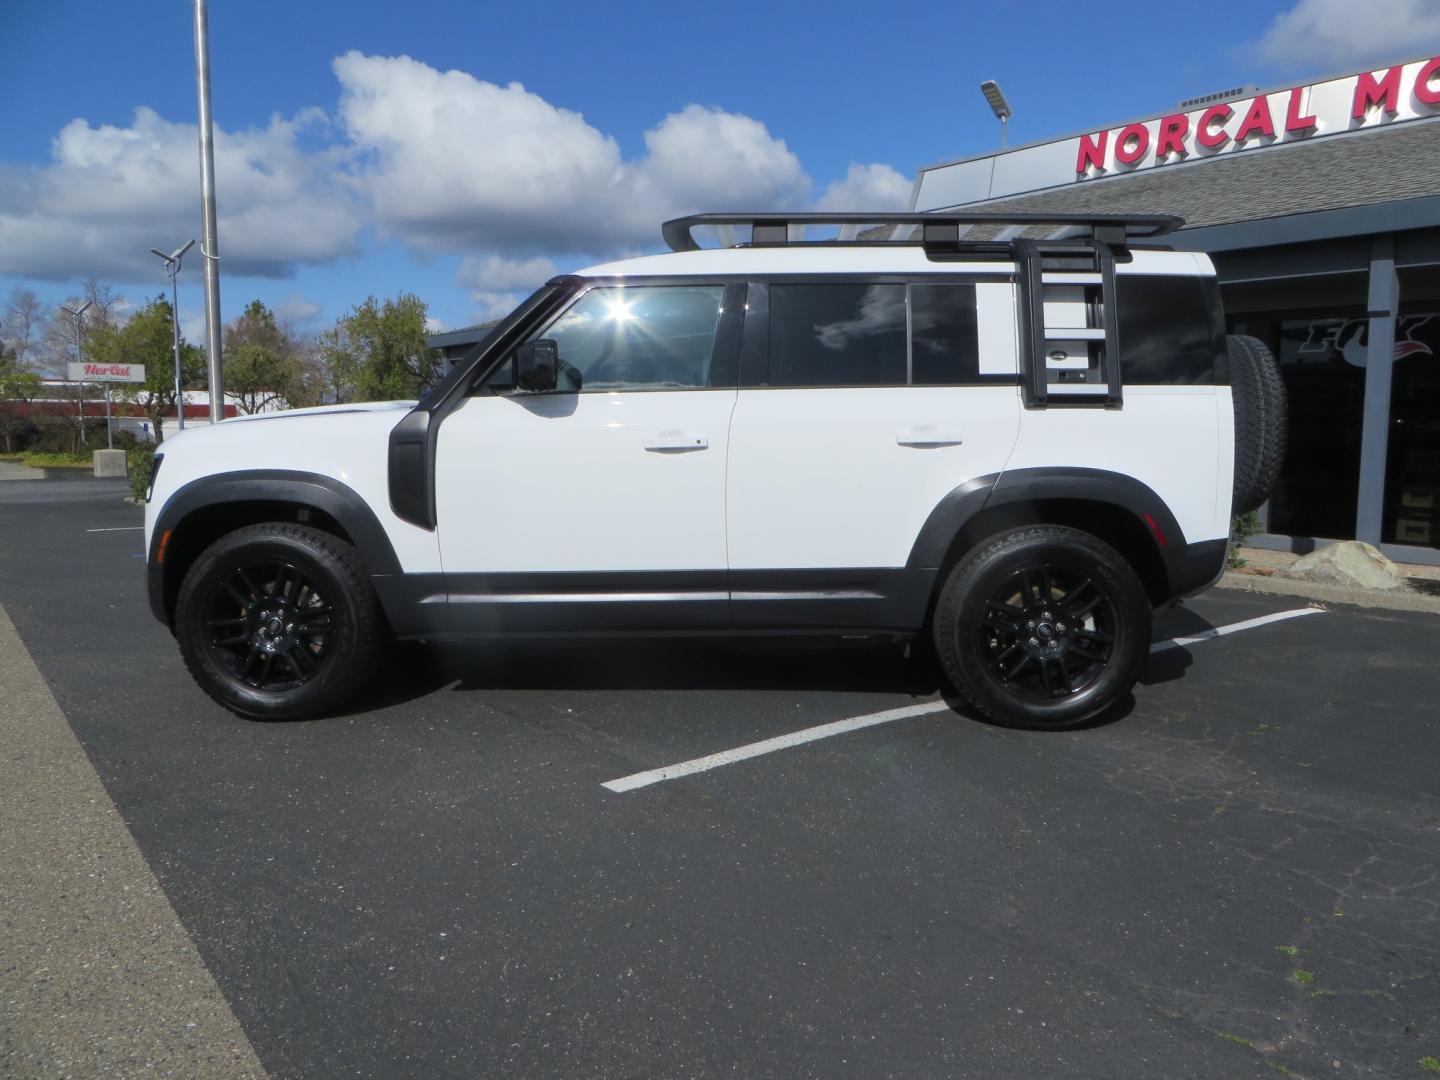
(109, 422)
(209, 245)
(175, 322)
(1002, 131)
(80, 359)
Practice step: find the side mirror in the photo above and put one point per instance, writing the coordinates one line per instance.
(537, 363)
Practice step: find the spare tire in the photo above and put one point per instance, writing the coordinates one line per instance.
(1261, 421)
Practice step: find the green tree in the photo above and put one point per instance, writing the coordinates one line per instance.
(19, 386)
(377, 352)
(262, 361)
(147, 339)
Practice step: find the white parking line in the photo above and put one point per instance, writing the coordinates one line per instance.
(120, 528)
(769, 746)
(855, 723)
(1230, 628)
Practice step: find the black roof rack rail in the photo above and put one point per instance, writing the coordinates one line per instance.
(941, 228)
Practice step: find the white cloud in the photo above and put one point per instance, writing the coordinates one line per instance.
(497, 284)
(112, 193)
(452, 162)
(868, 187)
(494, 272)
(296, 309)
(1342, 34)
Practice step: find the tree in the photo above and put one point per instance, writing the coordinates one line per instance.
(378, 353)
(147, 339)
(24, 323)
(262, 361)
(19, 386)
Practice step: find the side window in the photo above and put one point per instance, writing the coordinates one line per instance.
(944, 338)
(837, 335)
(632, 338)
(1166, 336)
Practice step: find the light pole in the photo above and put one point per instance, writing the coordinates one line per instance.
(172, 267)
(79, 317)
(998, 105)
(211, 247)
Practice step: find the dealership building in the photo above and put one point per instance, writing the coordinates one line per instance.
(1320, 206)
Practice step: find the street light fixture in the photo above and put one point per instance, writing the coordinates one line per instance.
(172, 267)
(79, 317)
(998, 105)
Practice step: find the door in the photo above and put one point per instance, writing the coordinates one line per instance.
(863, 404)
(600, 505)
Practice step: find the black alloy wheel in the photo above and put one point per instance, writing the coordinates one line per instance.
(279, 622)
(269, 625)
(1048, 632)
(1045, 627)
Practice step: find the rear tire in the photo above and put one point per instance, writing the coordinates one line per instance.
(1043, 628)
(279, 622)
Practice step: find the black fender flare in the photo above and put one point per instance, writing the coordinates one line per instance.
(306, 489)
(1187, 567)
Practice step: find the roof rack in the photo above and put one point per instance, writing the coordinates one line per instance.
(935, 229)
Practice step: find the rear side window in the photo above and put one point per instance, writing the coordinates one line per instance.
(863, 335)
(1166, 332)
(837, 335)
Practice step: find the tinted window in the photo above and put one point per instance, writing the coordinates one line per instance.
(1165, 330)
(837, 335)
(944, 346)
(634, 339)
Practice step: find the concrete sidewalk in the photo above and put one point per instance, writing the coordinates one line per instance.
(10, 470)
(97, 975)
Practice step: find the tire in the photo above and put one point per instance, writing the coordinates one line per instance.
(983, 628)
(279, 622)
(1261, 421)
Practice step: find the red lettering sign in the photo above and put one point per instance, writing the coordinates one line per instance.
(1257, 121)
(1091, 153)
(1384, 92)
(1131, 144)
(1171, 140)
(1423, 78)
(1213, 137)
(1295, 123)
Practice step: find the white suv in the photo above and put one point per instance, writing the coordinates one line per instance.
(1014, 435)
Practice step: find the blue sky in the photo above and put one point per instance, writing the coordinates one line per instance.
(349, 170)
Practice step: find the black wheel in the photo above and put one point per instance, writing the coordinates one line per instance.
(1257, 392)
(278, 622)
(1045, 627)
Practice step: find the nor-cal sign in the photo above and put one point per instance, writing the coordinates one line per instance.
(122, 373)
(1214, 127)
(1371, 98)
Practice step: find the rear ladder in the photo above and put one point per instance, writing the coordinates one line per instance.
(1070, 339)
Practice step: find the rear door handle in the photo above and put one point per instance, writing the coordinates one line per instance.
(929, 436)
(676, 442)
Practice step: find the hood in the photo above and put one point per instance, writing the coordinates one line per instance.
(322, 410)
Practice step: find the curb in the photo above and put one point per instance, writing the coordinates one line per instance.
(1402, 599)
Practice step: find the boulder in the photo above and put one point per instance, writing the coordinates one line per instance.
(1351, 563)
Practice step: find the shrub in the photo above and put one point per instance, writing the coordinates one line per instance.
(137, 465)
(1242, 527)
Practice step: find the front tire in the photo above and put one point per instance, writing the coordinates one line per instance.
(1043, 628)
(279, 622)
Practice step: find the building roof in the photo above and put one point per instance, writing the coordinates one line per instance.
(1377, 165)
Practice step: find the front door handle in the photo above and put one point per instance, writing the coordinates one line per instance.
(929, 436)
(676, 442)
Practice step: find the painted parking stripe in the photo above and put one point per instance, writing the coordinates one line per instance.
(856, 723)
(769, 746)
(120, 528)
(1231, 628)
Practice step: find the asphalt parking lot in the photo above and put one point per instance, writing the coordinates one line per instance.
(1237, 876)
